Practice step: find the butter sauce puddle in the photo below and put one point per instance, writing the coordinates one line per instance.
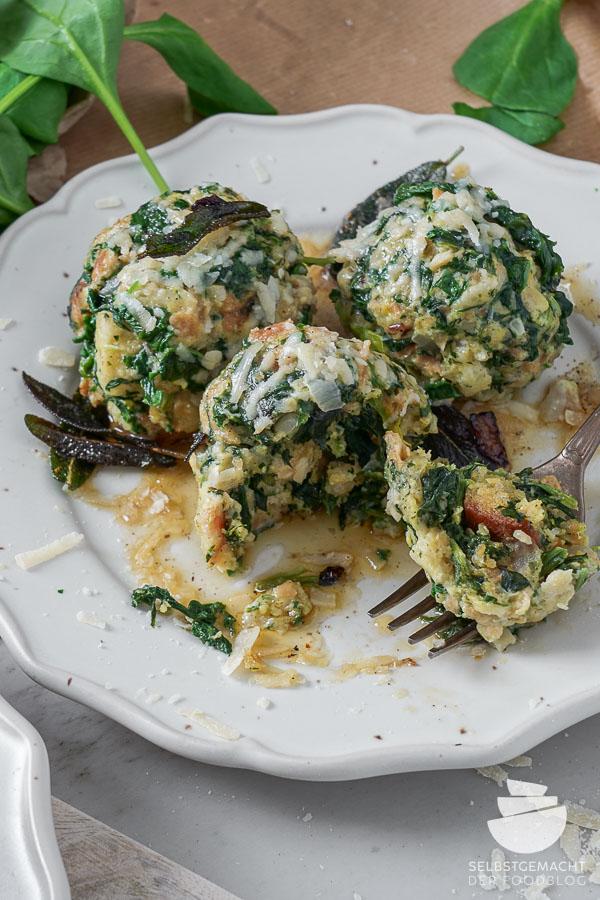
(161, 548)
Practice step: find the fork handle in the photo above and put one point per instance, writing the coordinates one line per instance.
(584, 442)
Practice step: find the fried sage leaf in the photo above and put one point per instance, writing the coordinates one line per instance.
(371, 206)
(206, 215)
(70, 471)
(92, 450)
(72, 411)
(462, 441)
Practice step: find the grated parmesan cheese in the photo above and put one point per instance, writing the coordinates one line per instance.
(213, 725)
(110, 202)
(56, 357)
(30, 558)
(243, 644)
(262, 174)
(585, 818)
(90, 618)
(496, 773)
(264, 703)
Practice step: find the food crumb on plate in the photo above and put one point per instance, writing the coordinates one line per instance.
(261, 172)
(213, 725)
(30, 558)
(56, 357)
(264, 703)
(174, 699)
(85, 617)
(110, 202)
(307, 817)
(6, 323)
(520, 762)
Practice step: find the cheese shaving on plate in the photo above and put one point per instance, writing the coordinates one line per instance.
(30, 558)
(213, 725)
(56, 357)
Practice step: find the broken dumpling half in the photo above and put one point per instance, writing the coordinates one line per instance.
(157, 324)
(295, 423)
(458, 286)
(502, 549)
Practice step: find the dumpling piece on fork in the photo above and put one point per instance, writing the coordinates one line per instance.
(154, 329)
(295, 423)
(502, 549)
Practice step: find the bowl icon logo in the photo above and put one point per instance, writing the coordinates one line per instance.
(531, 822)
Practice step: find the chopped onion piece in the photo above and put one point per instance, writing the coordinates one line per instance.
(326, 394)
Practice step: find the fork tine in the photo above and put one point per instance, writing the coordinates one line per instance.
(409, 587)
(419, 609)
(468, 632)
(432, 627)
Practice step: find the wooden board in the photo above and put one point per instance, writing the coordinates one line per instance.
(103, 864)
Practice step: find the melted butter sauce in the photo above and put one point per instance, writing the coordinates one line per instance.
(157, 516)
(584, 291)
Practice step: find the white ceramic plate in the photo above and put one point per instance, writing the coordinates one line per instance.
(453, 712)
(31, 867)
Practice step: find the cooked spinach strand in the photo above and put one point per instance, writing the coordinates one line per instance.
(208, 620)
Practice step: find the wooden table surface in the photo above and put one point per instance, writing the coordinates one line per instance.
(309, 54)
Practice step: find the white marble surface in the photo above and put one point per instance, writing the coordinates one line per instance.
(264, 838)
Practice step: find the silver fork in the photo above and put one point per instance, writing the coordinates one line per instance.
(568, 467)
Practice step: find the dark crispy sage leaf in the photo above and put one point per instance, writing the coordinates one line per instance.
(371, 206)
(70, 471)
(72, 411)
(198, 438)
(458, 441)
(206, 215)
(488, 439)
(92, 450)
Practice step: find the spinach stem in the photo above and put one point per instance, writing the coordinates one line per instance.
(107, 93)
(18, 208)
(17, 92)
(114, 107)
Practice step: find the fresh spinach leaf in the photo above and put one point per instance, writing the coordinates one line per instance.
(36, 105)
(530, 127)
(206, 215)
(14, 152)
(522, 62)
(76, 42)
(213, 86)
